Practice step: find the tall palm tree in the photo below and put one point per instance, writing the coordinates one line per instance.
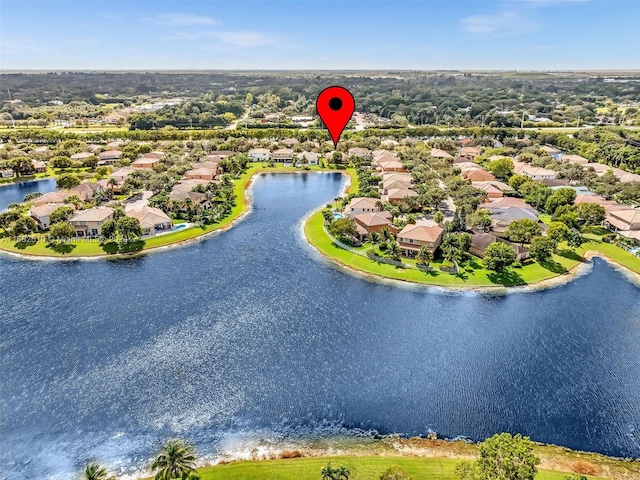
(177, 460)
(95, 472)
(394, 250)
(374, 238)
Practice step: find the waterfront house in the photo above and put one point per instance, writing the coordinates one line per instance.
(196, 198)
(622, 221)
(88, 223)
(259, 154)
(85, 190)
(41, 213)
(480, 242)
(7, 173)
(308, 158)
(374, 222)
(412, 237)
(360, 205)
(152, 220)
(284, 155)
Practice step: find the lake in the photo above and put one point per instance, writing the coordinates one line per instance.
(251, 334)
(15, 192)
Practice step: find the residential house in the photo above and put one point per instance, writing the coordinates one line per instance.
(308, 158)
(438, 153)
(189, 185)
(122, 174)
(289, 142)
(57, 196)
(200, 174)
(41, 213)
(469, 152)
(396, 176)
(374, 222)
(82, 156)
(397, 195)
(195, 197)
(88, 223)
(391, 166)
(85, 191)
(7, 173)
(109, 157)
(574, 159)
(478, 175)
(394, 184)
(535, 173)
(156, 155)
(412, 237)
(211, 165)
(259, 154)
(39, 167)
(622, 221)
(467, 166)
(480, 242)
(360, 205)
(145, 163)
(284, 155)
(490, 189)
(507, 202)
(360, 152)
(152, 220)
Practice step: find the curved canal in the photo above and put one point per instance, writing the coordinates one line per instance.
(251, 334)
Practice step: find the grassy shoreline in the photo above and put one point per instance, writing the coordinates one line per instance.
(83, 248)
(435, 459)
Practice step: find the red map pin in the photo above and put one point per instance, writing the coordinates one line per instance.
(335, 105)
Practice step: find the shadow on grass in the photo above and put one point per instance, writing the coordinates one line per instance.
(113, 248)
(61, 248)
(571, 255)
(554, 267)
(508, 278)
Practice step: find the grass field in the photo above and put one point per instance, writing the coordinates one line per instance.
(92, 248)
(361, 468)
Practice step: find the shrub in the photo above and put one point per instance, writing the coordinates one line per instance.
(395, 473)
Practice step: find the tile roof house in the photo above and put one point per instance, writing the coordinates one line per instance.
(200, 174)
(478, 175)
(623, 220)
(109, 157)
(39, 167)
(283, 155)
(145, 163)
(507, 202)
(88, 223)
(412, 237)
(259, 154)
(58, 196)
(41, 213)
(374, 222)
(396, 195)
(469, 152)
(491, 190)
(360, 152)
(480, 242)
(391, 166)
(152, 220)
(574, 159)
(438, 153)
(360, 205)
(289, 142)
(535, 173)
(81, 156)
(308, 158)
(7, 173)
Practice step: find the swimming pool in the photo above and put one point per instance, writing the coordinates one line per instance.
(180, 226)
(337, 215)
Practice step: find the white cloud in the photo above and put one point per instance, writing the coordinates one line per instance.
(501, 24)
(233, 38)
(182, 20)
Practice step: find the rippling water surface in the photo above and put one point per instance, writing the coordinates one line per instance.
(251, 331)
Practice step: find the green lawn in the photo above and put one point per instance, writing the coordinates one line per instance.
(361, 468)
(478, 277)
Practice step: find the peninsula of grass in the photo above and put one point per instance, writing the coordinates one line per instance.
(93, 248)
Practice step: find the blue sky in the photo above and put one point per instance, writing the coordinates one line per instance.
(391, 34)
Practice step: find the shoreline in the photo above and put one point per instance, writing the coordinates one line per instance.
(582, 268)
(247, 202)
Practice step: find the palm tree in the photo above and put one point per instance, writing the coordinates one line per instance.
(385, 234)
(424, 255)
(394, 250)
(374, 238)
(95, 472)
(176, 460)
(342, 473)
(328, 472)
